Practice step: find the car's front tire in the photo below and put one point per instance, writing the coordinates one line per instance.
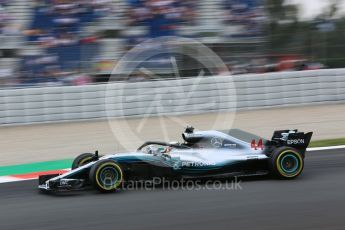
(286, 163)
(106, 175)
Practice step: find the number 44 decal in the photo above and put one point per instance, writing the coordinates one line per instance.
(257, 146)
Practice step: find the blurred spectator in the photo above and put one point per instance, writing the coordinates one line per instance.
(57, 27)
(45, 70)
(5, 17)
(248, 14)
(161, 16)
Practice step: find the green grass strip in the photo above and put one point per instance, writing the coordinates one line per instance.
(34, 167)
(325, 143)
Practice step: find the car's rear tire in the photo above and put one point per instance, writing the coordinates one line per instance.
(82, 159)
(106, 175)
(286, 163)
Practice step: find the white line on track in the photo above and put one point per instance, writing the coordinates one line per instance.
(326, 148)
(6, 179)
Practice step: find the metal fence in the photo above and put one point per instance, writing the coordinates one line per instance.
(179, 96)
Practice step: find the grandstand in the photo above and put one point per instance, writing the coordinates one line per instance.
(54, 42)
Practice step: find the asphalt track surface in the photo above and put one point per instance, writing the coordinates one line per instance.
(316, 200)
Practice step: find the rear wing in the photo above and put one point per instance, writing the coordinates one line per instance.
(291, 138)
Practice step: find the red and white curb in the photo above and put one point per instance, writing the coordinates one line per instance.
(29, 176)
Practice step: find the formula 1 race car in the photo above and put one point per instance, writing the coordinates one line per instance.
(203, 154)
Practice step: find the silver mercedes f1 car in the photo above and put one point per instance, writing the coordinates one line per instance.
(203, 154)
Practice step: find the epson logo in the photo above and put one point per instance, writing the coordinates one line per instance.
(295, 141)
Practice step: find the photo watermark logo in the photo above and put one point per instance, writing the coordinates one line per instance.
(167, 101)
(158, 183)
